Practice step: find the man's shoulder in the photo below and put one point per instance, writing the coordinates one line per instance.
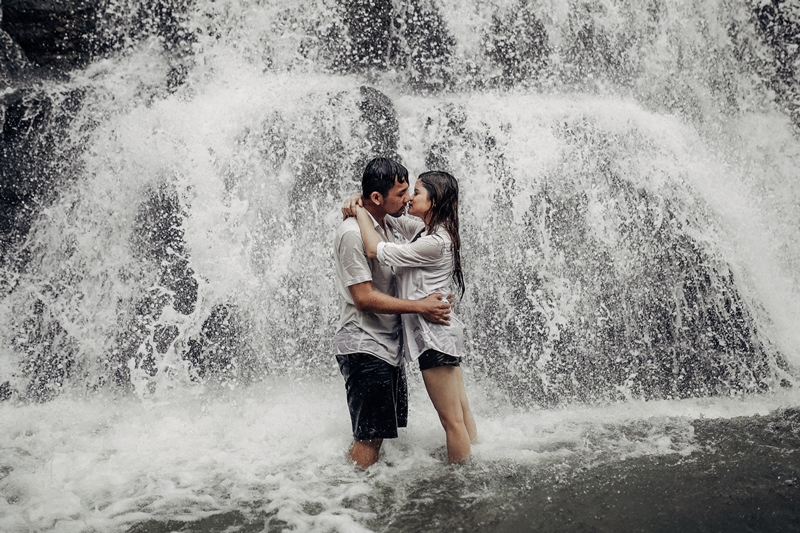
(349, 224)
(348, 236)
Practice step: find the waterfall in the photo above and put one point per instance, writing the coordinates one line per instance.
(629, 213)
(171, 173)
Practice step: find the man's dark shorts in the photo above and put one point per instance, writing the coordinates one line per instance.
(433, 359)
(377, 395)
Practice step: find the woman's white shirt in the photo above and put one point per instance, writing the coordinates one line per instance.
(422, 267)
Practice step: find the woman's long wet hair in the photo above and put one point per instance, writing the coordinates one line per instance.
(443, 194)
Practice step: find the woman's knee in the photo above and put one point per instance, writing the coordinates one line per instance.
(452, 420)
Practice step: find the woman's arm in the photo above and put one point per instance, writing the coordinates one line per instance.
(368, 233)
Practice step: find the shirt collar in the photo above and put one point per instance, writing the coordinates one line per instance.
(383, 233)
(374, 222)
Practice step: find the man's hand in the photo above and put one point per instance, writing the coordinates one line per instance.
(435, 310)
(349, 205)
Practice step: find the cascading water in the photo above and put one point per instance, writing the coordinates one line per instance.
(630, 225)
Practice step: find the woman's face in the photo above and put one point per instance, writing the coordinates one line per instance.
(420, 203)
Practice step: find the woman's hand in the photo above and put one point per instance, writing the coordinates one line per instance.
(349, 205)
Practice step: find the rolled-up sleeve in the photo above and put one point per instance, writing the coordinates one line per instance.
(425, 251)
(354, 262)
(406, 225)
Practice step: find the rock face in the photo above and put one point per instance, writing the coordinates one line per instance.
(779, 25)
(36, 162)
(52, 33)
(37, 38)
(409, 36)
(13, 63)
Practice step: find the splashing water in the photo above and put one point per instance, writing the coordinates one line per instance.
(630, 225)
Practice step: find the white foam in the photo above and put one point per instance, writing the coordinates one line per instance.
(279, 448)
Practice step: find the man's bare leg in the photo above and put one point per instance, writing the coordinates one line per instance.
(364, 453)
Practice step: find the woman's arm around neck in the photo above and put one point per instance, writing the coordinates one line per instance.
(368, 233)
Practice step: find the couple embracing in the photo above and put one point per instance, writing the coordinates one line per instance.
(393, 273)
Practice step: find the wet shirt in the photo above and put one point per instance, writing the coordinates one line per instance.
(359, 332)
(422, 267)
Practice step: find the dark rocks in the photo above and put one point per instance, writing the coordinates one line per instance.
(606, 292)
(378, 113)
(158, 241)
(56, 36)
(443, 131)
(220, 351)
(369, 27)
(49, 354)
(36, 159)
(518, 43)
(13, 63)
(52, 33)
(409, 37)
(778, 22)
(158, 238)
(424, 46)
(5, 394)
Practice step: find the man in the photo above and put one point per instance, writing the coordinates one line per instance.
(368, 340)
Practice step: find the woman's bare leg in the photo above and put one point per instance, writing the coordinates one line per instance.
(469, 421)
(444, 385)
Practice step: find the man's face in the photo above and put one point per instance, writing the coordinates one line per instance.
(397, 198)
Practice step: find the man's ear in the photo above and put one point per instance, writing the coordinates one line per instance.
(376, 198)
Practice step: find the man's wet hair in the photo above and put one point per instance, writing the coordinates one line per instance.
(379, 176)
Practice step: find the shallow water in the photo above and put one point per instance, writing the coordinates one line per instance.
(630, 221)
(271, 457)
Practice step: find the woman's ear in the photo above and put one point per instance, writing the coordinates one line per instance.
(376, 197)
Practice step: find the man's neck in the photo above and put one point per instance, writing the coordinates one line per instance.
(377, 213)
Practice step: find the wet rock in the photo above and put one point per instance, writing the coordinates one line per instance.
(164, 19)
(778, 22)
(369, 28)
(164, 336)
(518, 43)
(423, 48)
(5, 393)
(593, 54)
(607, 303)
(158, 238)
(380, 117)
(37, 162)
(13, 63)
(48, 354)
(59, 35)
(442, 130)
(378, 112)
(52, 33)
(220, 350)
(410, 37)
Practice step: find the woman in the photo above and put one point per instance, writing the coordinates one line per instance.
(426, 264)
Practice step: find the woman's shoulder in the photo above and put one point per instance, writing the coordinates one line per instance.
(441, 235)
